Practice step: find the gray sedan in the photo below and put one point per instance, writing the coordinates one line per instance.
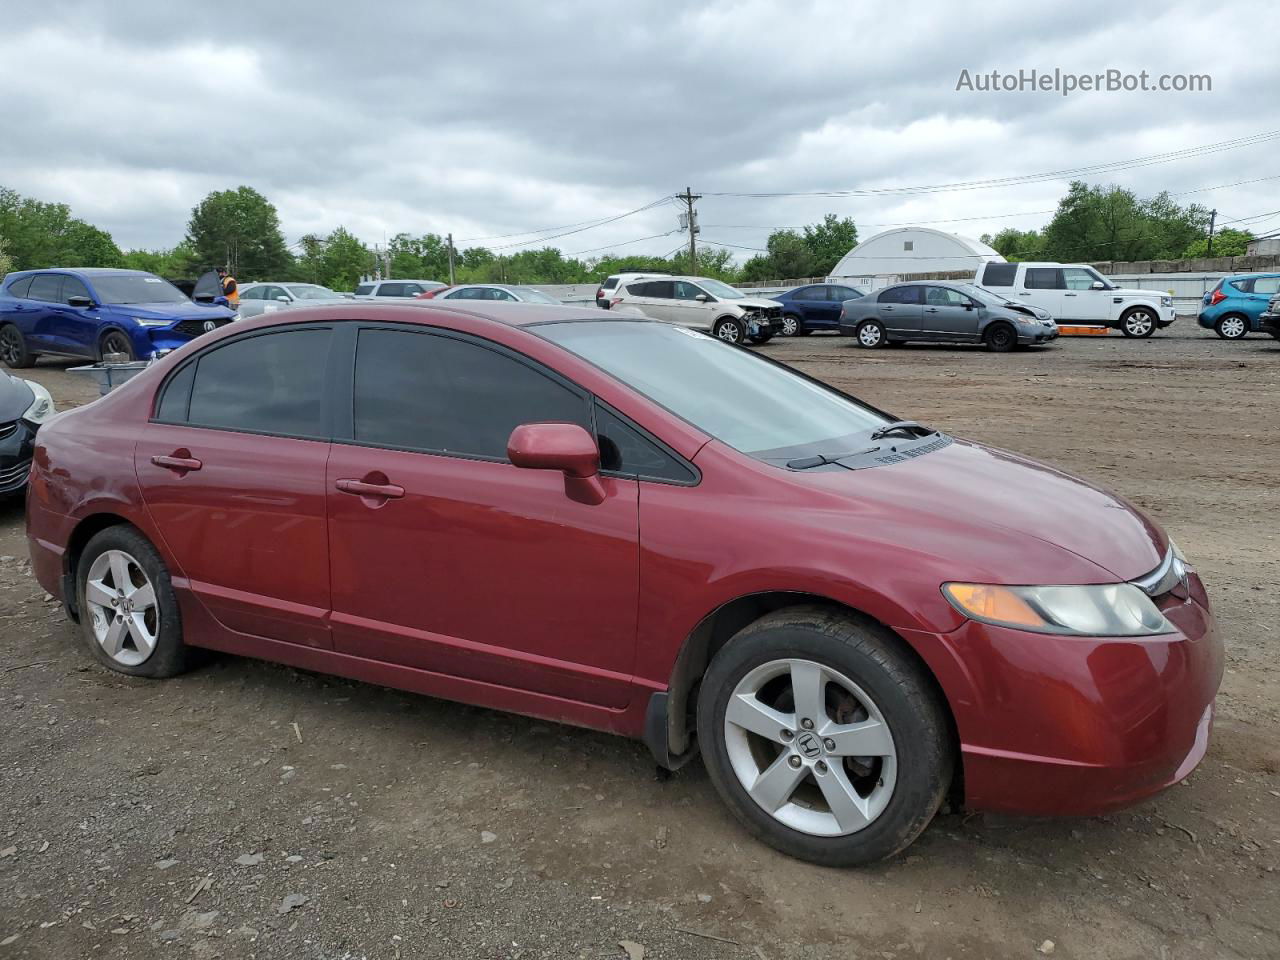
(260, 298)
(942, 312)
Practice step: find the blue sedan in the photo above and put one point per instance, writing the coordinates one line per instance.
(91, 312)
(815, 307)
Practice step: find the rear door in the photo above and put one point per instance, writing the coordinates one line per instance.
(900, 309)
(1043, 287)
(454, 561)
(232, 470)
(949, 315)
(654, 298)
(816, 305)
(44, 295)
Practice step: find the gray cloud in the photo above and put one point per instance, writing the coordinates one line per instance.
(491, 118)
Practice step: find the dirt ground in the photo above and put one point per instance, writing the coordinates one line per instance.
(249, 810)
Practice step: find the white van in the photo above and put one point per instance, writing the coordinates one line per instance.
(1075, 293)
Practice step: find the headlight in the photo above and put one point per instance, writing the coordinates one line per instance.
(151, 322)
(42, 407)
(1104, 610)
(1166, 301)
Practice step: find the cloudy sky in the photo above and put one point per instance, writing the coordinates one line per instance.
(486, 118)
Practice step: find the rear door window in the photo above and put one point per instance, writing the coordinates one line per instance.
(364, 289)
(999, 274)
(19, 288)
(1244, 285)
(901, 295)
(47, 287)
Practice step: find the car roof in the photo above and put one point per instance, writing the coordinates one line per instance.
(87, 271)
(420, 311)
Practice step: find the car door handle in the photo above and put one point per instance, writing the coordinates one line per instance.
(886, 308)
(362, 488)
(930, 309)
(1071, 294)
(175, 462)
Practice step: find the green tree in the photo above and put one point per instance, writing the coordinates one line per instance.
(43, 234)
(829, 240)
(1226, 243)
(1014, 244)
(1095, 223)
(337, 261)
(787, 257)
(419, 258)
(6, 261)
(239, 229)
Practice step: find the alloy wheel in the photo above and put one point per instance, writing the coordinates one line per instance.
(790, 326)
(1232, 328)
(729, 332)
(810, 747)
(123, 609)
(11, 346)
(1140, 323)
(116, 343)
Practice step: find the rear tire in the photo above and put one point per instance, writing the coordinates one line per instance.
(872, 335)
(13, 348)
(129, 616)
(878, 743)
(1000, 338)
(1232, 326)
(730, 330)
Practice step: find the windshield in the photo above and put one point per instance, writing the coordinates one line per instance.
(982, 295)
(757, 407)
(530, 295)
(312, 291)
(136, 288)
(719, 290)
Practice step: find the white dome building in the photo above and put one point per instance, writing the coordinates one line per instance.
(911, 250)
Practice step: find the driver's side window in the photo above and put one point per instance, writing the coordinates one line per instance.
(1077, 279)
(688, 291)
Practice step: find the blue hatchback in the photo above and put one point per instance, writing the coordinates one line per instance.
(91, 312)
(1232, 308)
(815, 307)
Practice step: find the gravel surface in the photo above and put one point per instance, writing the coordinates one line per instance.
(250, 810)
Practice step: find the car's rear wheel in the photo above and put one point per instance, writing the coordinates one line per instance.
(129, 616)
(1000, 338)
(791, 326)
(824, 736)
(13, 348)
(871, 334)
(1231, 327)
(116, 342)
(1139, 322)
(730, 330)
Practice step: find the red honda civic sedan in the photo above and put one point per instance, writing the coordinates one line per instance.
(623, 524)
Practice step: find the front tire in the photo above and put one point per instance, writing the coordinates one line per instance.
(1231, 327)
(13, 348)
(1000, 338)
(129, 616)
(730, 330)
(824, 736)
(872, 335)
(116, 341)
(791, 326)
(1138, 323)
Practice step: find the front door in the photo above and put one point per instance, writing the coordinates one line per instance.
(1082, 303)
(75, 327)
(687, 310)
(232, 471)
(949, 315)
(449, 559)
(816, 306)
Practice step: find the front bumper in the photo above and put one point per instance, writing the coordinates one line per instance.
(1270, 323)
(1037, 334)
(1166, 316)
(1078, 725)
(177, 335)
(17, 444)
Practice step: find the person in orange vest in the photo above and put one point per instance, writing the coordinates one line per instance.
(229, 289)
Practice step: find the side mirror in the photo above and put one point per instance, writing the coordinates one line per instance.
(566, 447)
(78, 301)
(283, 299)
(968, 304)
(702, 298)
(1097, 285)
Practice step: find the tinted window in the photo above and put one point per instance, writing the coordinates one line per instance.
(999, 274)
(364, 289)
(814, 293)
(625, 449)
(609, 283)
(72, 287)
(46, 286)
(845, 293)
(391, 290)
(273, 383)
(251, 293)
(1244, 286)
(136, 288)
(1043, 278)
(1266, 285)
(900, 295)
(663, 289)
(19, 288)
(172, 407)
(437, 393)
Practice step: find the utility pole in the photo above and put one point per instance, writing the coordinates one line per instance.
(451, 259)
(1213, 217)
(688, 197)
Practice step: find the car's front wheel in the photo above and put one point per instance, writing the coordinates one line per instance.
(791, 326)
(116, 342)
(1139, 322)
(13, 348)
(730, 330)
(824, 736)
(128, 612)
(1000, 338)
(1231, 327)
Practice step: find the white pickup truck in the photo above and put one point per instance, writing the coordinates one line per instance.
(1075, 293)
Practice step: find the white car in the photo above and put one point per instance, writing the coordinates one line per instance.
(1075, 293)
(265, 297)
(703, 304)
(403, 289)
(611, 284)
(492, 291)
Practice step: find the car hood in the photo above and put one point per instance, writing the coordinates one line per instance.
(174, 311)
(1135, 292)
(15, 398)
(755, 303)
(993, 516)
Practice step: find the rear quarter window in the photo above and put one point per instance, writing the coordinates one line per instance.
(19, 288)
(364, 289)
(999, 274)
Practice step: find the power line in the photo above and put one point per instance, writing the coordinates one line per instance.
(1112, 166)
(591, 226)
(584, 224)
(622, 243)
